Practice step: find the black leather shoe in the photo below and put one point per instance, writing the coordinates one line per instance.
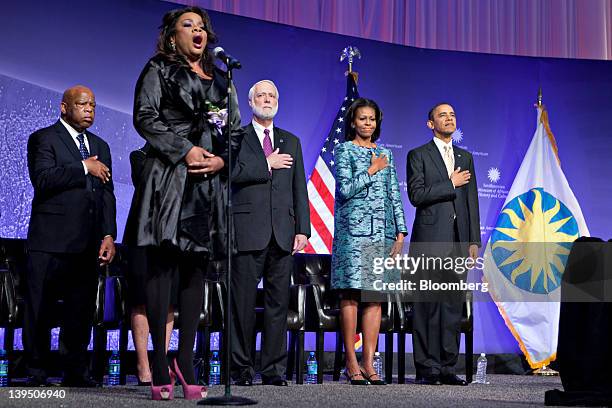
(453, 380)
(277, 381)
(80, 382)
(245, 380)
(36, 381)
(429, 380)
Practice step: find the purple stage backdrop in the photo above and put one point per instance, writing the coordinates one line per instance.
(104, 44)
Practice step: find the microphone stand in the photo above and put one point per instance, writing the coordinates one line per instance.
(228, 398)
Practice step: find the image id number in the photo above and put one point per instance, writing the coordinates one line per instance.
(37, 394)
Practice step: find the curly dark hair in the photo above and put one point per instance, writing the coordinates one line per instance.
(349, 118)
(168, 30)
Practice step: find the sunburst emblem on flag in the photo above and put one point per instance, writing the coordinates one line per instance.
(493, 174)
(532, 240)
(457, 136)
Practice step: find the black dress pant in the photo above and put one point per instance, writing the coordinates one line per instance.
(436, 321)
(73, 278)
(275, 266)
(435, 337)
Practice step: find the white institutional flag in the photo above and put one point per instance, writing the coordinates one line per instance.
(526, 254)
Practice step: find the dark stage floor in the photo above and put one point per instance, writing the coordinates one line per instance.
(504, 391)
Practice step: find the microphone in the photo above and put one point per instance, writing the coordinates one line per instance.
(227, 59)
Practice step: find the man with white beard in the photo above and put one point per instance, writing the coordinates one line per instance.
(272, 223)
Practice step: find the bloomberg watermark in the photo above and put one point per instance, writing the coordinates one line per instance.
(449, 272)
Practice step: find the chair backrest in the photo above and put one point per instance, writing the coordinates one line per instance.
(13, 263)
(111, 293)
(315, 270)
(217, 306)
(15, 259)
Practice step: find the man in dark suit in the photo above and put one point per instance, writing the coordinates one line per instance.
(72, 227)
(442, 187)
(272, 222)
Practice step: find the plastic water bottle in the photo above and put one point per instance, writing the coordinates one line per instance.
(481, 369)
(114, 368)
(4, 378)
(378, 365)
(311, 369)
(214, 375)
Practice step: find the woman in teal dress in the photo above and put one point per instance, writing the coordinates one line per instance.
(368, 223)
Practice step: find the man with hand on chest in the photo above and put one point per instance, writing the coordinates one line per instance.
(442, 187)
(272, 223)
(72, 228)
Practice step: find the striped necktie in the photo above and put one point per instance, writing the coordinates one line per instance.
(449, 160)
(267, 143)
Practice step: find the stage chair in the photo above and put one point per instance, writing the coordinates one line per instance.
(8, 295)
(211, 321)
(12, 315)
(387, 326)
(110, 312)
(12, 301)
(322, 313)
(13, 267)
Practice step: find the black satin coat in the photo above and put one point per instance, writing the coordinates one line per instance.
(170, 114)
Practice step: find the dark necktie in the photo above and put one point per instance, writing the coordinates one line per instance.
(267, 143)
(82, 146)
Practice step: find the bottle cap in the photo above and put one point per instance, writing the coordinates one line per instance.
(312, 353)
(377, 354)
(482, 354)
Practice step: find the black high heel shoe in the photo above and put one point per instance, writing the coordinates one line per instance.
(369, 378)
(350, 378)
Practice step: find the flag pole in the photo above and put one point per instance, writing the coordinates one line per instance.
(544, 120)
(543, 371)
(322, 179)
(350, 53)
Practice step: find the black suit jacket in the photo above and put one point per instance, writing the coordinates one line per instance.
(431, 192)
(70, 210)
(264, 204)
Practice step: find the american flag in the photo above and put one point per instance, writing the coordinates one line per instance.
(322, 182)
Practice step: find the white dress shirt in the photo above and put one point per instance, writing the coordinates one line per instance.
(74, 133)
(259, 131)
(441, 145)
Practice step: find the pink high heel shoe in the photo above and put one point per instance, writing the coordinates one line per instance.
(190, 392)
(164, 392)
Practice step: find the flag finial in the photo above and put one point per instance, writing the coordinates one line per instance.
(349, 53)
(539, 97)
